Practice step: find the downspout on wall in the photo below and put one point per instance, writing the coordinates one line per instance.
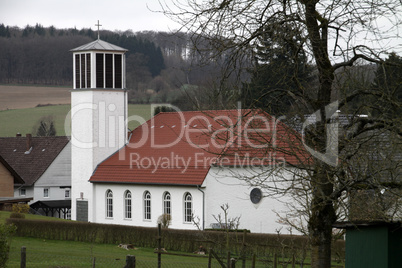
(203, 207)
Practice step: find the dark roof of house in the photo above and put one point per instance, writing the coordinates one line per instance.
(30, 164)
(14, 199)
(52, 204)
(179, 148)
(17, 178)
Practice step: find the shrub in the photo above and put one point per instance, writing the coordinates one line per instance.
(16, 215)
(6, 232)
(165, 220)
(20, 208)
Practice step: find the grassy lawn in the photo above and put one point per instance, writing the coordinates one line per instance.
(23, 120)
(5, 214)
(54, 253)
(57, 253)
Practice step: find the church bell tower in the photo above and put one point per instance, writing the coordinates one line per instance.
(98, 117)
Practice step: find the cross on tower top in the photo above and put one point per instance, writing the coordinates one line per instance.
(98, 27)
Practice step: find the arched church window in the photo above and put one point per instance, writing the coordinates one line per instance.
(109, 204)
(127, 205)
(147, 205)
(188, 208)
(167, 209)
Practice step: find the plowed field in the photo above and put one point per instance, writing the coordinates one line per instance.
(19, 97)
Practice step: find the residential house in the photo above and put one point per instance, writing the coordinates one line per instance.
(41, 167)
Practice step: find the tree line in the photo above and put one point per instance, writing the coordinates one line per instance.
(39, 55)
(160, 65)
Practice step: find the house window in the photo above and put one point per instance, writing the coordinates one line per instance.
(46, 192)
(22, 192)
(127, 205)
(166, 203)
(188, 213)
(109, 204)
(147, 205)
(67, 193)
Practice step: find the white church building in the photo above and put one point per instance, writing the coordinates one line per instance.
(186, 164)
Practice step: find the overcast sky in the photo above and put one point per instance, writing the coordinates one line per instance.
(112, 14)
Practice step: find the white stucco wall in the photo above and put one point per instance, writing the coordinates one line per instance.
(54, 193)
(97, 130)
(222, 187)
(29, 192)
(137, 191)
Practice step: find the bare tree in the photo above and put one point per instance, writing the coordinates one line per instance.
(335, 35)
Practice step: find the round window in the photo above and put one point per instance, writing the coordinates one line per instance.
(255, 195)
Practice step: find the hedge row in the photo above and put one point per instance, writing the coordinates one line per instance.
(172, 239)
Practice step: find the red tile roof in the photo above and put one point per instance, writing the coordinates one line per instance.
(30, 166)
(179, 148)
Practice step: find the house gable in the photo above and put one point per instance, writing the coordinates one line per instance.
(30, 163)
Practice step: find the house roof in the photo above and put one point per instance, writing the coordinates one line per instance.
(65, 203)
(99, 45)
(17, 178)
(29, 165)
(178, 148)
(5, 200)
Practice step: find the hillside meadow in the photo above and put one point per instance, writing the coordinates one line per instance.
(23, 120)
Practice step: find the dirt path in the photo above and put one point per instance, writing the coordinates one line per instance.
(19, 97)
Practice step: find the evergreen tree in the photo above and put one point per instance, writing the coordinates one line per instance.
(45, 127)
(387, 88)
(280, 72)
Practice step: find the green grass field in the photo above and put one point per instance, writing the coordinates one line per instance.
(55, 253)
(23, 120)
(5, 215)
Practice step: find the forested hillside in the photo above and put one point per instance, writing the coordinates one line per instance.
(161, 67)
(38, 55)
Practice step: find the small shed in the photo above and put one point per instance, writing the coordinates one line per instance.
(373, 244)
